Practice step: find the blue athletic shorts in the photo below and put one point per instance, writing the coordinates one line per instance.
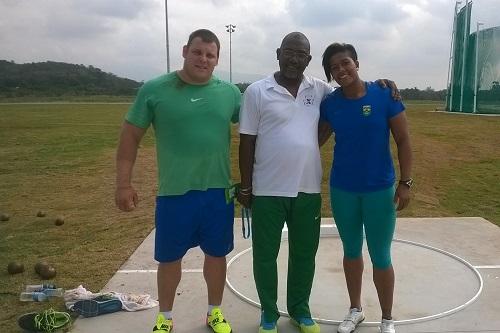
(196, 218)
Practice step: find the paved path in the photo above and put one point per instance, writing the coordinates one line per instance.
(447, 280)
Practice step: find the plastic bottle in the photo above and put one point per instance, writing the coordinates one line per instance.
(40, 287)
(48, 289)
(56, 292)
(33, 297)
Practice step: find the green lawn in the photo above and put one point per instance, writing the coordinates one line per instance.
(60, 158)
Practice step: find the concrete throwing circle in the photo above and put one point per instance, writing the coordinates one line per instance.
(430, 283)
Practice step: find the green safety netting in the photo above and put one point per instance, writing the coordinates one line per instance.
(463, 75)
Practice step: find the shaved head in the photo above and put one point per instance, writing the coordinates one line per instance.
(296, 36)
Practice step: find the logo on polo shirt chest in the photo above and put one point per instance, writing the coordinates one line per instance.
(308, 100)
(367, 110)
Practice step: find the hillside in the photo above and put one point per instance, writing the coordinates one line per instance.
(53, 80)
(60, 79)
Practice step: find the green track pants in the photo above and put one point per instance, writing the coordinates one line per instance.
(302, 215)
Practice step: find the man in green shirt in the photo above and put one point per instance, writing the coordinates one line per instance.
(191, 112)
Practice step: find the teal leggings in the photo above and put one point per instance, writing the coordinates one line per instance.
(376, 212)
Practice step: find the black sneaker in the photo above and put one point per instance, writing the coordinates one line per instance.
(45, 321)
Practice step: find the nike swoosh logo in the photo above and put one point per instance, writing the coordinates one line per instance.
(195, 99)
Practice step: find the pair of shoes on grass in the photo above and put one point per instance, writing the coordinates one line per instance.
(46, 321)
(97, 306)
(215, 320)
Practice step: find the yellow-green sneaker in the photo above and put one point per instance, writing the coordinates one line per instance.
(306, 325)
(163, 325)
(216, 321)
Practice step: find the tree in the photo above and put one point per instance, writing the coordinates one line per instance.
(58, 78)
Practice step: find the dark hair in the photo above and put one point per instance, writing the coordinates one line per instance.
(206, 35)
(333, 49)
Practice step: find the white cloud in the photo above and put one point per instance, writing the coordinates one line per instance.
(406, 40)
(326, 13)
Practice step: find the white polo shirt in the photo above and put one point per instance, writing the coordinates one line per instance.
(287, 159)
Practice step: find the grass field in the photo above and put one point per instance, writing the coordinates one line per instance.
(59, 158)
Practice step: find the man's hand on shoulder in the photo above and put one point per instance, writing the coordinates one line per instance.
(384, 83)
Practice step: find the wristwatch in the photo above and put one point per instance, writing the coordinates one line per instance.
(408, 182)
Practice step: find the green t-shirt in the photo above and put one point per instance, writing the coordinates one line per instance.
(192, 130)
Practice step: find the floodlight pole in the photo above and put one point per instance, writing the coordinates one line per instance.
(166, 36)
(230, 28)
(475, 67)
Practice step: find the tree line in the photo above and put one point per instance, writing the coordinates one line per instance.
(53, 79)
(60, 79)
(427, 94)
(407, 93)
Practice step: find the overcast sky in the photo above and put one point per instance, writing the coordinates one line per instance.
(408, 41)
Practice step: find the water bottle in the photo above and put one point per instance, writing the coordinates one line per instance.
(48, 289)
(40, 287)
(35, 296)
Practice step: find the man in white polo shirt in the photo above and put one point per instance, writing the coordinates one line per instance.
(280, 166)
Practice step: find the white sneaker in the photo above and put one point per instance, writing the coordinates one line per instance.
(387, 326)
(351, 321)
